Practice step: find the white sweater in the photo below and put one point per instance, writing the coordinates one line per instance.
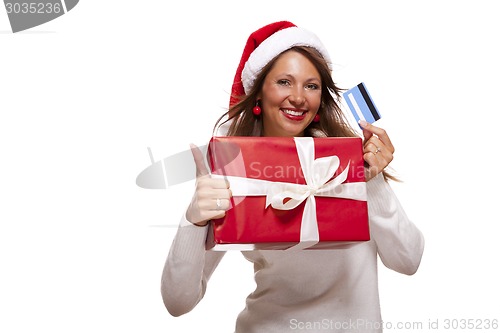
(308, 290)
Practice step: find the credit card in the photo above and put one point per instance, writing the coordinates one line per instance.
(361, 104)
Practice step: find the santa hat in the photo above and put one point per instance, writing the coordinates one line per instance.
(265, 44)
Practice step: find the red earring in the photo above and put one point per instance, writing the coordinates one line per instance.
(256, 109)
(316, 118)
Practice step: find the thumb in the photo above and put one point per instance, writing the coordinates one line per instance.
(201, 168)
(367, 134)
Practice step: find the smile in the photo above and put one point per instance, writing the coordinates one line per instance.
(293, 112)
(296, 115)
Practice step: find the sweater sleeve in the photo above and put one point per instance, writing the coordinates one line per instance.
(400, 244)
(187, 269)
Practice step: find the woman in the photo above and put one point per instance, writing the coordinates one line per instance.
(283, 87)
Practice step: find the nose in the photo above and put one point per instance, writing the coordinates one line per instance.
(297, 97)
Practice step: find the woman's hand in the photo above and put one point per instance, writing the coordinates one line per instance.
(377, 149)
(211, 196)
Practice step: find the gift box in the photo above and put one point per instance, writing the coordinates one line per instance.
(289, 193)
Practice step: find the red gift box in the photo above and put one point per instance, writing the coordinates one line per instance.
(290, 193)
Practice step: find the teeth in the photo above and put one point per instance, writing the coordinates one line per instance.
(293, 113)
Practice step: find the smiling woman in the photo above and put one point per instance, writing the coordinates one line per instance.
(283, 88)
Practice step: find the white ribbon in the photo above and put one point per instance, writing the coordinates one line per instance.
(317, 174)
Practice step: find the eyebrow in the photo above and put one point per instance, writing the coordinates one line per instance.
(313, 78)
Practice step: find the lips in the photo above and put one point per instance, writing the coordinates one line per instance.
(294, 114)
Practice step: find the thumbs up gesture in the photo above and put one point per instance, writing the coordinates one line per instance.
(211, 196)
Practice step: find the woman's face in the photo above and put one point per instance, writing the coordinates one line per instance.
(290, 96)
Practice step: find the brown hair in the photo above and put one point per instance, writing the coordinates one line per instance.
(332, 120)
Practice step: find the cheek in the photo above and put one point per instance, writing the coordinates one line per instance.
(315, 101)
(274, 95)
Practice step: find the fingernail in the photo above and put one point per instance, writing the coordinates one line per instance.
(363, 123)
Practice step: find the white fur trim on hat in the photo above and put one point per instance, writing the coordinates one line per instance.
(275, 44)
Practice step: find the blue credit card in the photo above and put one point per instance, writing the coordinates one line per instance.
(361, 104)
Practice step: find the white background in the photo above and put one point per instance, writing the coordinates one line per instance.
(82, 97)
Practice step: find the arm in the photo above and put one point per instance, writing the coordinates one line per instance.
(400, 244)
(188, 266)
(187, 269)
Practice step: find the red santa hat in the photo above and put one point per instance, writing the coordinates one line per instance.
(263, 45)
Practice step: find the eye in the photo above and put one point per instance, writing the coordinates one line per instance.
(312, 86)
(283, 82)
